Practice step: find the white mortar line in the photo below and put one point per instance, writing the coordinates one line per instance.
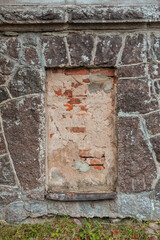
(67, 50)
(93, 54)
(119, 56)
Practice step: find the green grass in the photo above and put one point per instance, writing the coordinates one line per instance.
(66, 228)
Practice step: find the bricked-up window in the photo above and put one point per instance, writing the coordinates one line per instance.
(81, 130)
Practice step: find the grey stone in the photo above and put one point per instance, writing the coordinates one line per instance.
(36, 208)
(14, 212)
(128, 205)
(8, 195)
(55, 207)
(144, 209)
(156, 213)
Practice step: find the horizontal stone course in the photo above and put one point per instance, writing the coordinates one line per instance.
(78, 14)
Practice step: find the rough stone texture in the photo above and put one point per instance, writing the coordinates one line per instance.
(36, 208)
(31, 56)
(155, 47)
(156, 143)
(154, 70)
(131, 71)
(19, 15)
(3, 95)
(8, 195)
(128, 205)
(80, 48)
(107, 49)
(91, 14)
(157, 191)
(81, 142)
(6, 66)
(21, 120)
(143, 206)
(136, 167)
(3, 149)
(15, 212)
(134, 49)
(6, 171)
(54, 51)
(136, 95)
(26, 80)
(1, 214)
(153, 122)
(10, 46)
(156, 87)
(3, 79)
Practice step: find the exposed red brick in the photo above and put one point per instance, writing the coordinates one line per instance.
(86, 80)
(77, 129)
(74, 101)
(70, 107)
(83, 108)
(75, 85)
(58, 92)
(95, 161)
(51, 135)
(68, 93)
(98, 167)
(77, 71)
(84, 153)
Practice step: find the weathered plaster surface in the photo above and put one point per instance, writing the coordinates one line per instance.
(81, 136)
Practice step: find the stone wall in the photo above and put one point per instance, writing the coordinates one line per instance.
(24, 59)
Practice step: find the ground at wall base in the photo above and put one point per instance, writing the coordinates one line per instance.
(63, 227)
